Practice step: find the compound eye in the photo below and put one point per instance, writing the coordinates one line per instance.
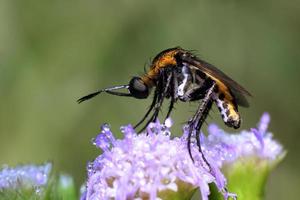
(138, 88)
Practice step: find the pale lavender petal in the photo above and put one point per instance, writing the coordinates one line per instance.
(260, 137)
(257, 142)
(128, 131)
(30, 176)
(105, 139)
(168, 122)
(264, 123)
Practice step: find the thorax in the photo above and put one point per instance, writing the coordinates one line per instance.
(192, 84)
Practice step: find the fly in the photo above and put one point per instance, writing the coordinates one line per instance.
(177, 74)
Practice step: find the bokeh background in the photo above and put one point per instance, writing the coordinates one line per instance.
(53, 52)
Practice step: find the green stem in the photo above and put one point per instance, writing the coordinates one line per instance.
(246, 178)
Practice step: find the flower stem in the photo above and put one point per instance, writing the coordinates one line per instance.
(246, 177)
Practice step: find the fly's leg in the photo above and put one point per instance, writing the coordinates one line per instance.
(149, 110)
(161, 90)
(197, 120)
(173, 92)
(166, 85)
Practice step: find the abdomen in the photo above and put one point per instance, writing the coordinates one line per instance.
(228, 110)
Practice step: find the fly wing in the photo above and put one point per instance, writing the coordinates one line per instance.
(237, 90)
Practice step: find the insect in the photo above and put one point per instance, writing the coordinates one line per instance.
(177, 74)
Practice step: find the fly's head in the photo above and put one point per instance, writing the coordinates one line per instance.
(138, 89)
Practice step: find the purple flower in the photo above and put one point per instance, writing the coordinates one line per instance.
(147, 165)
(152, 165)
(24, 176)
(246, 158)
(257, 142)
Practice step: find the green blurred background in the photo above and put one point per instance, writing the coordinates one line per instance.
(54, 51)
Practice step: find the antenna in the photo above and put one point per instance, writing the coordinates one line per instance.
(107, 90)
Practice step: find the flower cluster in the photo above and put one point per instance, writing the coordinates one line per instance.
(24, 176)
(152, 165)
(254, 143)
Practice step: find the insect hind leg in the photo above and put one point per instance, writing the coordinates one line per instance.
(197, 120)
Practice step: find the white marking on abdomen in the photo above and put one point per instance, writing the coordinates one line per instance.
(222, 110)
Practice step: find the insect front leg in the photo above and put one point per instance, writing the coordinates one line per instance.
(161, 90)
(149, 110)
(173, 94)
(165, 88)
